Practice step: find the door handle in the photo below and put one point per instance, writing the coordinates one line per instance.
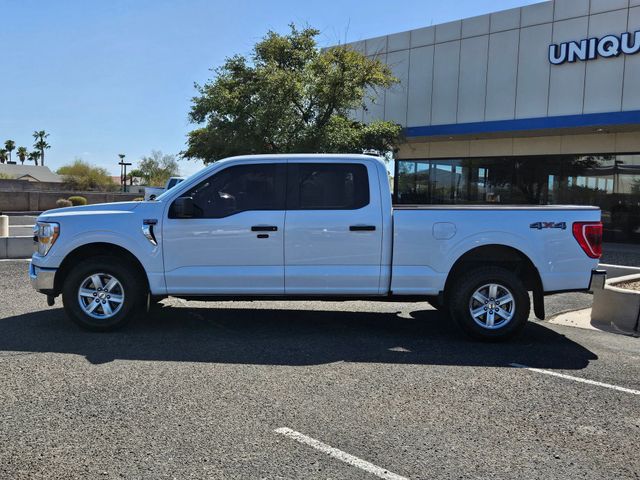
(362, 228)
(264, 228)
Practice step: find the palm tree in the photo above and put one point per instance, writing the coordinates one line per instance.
(22, 154)
(34, 156)
(10, 145)
(3, 155)
(40, 142)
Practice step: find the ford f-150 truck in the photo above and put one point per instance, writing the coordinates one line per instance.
(312, 226)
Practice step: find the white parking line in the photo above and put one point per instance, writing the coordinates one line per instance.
(578, 379)
(339, 454)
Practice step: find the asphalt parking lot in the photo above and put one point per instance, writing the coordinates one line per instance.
(281, 390)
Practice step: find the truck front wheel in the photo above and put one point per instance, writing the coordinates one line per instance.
(490, 303)
(102, 293)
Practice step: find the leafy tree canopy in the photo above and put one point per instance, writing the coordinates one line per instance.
(157, 168)
(290, 97)
(80, 175)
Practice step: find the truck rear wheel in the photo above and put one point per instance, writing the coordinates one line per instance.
(102, 293)
(490, 303)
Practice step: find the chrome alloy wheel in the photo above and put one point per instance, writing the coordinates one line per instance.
(101, 296)
(492, 306)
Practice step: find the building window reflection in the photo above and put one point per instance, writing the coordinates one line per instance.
(611, 182)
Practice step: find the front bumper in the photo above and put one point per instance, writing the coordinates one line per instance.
(42, 279)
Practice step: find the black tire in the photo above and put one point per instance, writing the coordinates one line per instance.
(131, 285)
(494, 327)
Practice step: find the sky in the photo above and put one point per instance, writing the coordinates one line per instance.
(118, 76)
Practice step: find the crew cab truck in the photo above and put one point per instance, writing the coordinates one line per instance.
(311, 226)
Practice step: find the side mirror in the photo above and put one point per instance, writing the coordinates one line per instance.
(183, 207)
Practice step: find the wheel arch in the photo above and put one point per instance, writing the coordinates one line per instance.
(504, 256)
(94, 249)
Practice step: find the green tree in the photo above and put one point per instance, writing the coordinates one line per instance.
(40, 143)
(34, 156)
(80, 175)
(3, 155)
(136, 173)
(290, 97)
(157, 168)
(22, 153)
(10, 146)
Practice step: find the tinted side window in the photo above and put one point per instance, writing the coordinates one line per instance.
(239, 189)
(328, 186)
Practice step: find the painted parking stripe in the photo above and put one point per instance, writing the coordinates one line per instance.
(578, 379)
(339, 454)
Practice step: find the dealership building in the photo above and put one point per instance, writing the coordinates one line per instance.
(533, 105)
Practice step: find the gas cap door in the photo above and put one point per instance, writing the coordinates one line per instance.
(444, 230)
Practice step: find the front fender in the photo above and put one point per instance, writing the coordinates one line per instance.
(129, 239)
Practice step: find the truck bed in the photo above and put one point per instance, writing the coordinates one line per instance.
(493, 207)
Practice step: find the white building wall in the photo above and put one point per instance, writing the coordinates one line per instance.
(566, 88)
(444, 98)
(472, 85)
(495, 67)
(421, 82)
(630, 95)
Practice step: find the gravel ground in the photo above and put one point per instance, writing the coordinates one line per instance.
(196, 391)
(629, 285)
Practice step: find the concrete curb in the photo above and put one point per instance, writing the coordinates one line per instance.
(580, 318)
(617, 308)
(16, 247)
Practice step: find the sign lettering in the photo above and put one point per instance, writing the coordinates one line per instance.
(591, 48)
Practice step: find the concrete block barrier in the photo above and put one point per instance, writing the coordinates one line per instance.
(617, 309)
(16, 247)
(16, 220)
(4, 226)
(20, 230)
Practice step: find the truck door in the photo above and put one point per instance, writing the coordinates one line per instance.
(233, 243)
(333, 228)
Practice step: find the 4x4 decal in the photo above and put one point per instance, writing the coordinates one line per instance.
(541, 225)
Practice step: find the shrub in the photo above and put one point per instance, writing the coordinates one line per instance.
(78, 200)
(63, 202)
(138, 199)
(81, 176)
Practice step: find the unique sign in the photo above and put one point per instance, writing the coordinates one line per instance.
(592, 48)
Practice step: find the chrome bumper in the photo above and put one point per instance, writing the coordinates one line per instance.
(41, 278)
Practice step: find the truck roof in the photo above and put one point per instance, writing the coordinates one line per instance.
(305, 156)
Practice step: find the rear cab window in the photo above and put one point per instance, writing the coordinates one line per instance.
(327, 186)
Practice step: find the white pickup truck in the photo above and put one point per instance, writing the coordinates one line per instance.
(151, 193)
(312, 226)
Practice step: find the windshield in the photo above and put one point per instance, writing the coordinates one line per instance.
(175, 182)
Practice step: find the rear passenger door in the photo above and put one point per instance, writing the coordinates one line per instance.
(333, 228)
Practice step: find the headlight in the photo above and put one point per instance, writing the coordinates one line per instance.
(46, 235)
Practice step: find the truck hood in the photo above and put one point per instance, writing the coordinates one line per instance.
(97, 209)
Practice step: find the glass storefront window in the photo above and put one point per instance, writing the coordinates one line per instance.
(611, 182)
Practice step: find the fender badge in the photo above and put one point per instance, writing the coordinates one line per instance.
(541, 225)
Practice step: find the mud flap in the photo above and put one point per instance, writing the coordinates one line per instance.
(538, 303)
